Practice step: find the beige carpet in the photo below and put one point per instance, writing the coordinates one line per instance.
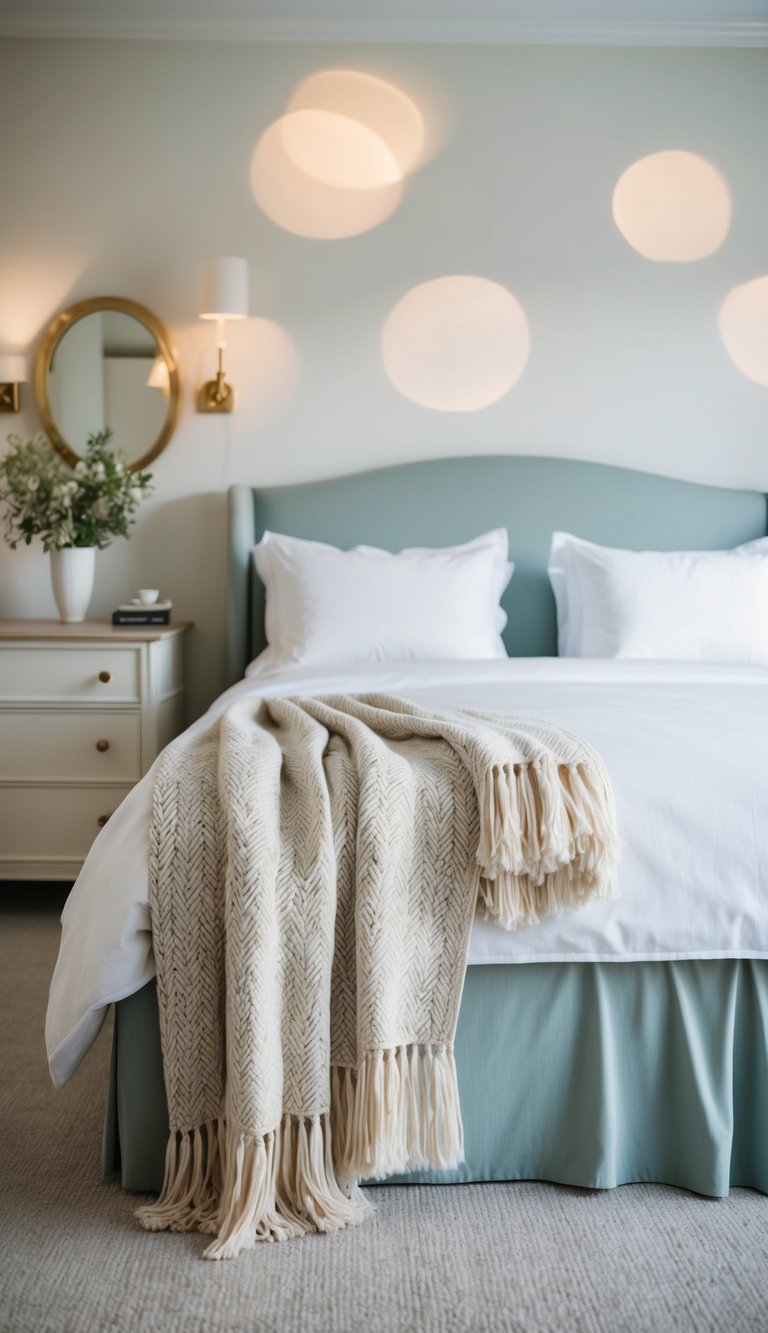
(476, 1257)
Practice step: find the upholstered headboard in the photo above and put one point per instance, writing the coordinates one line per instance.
(443, 501)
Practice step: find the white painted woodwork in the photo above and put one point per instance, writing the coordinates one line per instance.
(560, 22)
(59, 781)
(78, 746)
(44, 674)
(46, 831)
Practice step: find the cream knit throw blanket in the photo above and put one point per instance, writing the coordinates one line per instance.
(315, 866)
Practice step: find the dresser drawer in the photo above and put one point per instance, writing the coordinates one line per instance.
(77, 746)
(39, 824)
(77, 673)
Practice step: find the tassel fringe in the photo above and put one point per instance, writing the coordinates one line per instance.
(547, 841)
(244, 1189)
(397, 1111)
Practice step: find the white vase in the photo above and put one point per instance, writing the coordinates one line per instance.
(72, 571)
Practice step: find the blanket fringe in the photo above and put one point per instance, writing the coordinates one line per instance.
(191, 1183)
(245, 1188)
(397, 1111)
(547, 840)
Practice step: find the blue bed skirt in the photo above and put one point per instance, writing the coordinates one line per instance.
(587, 1074)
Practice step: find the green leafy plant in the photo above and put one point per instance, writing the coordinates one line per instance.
(84, 506)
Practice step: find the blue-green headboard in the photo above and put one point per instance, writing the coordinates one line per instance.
(443, 501)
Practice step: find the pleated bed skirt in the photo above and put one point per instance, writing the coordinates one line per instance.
(588, 1074)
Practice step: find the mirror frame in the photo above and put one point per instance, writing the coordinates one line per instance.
(53, 336)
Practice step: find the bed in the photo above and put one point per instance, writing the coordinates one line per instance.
(590, 1066)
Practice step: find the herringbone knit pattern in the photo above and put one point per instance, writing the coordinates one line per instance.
(315, 866)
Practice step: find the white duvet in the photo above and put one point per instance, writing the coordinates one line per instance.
(686, 746)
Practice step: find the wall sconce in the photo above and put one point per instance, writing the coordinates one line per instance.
(223, 295)
(13, 373)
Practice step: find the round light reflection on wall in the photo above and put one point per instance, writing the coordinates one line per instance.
(456, 344)
(673, 207)
(743, 323)
(304, 205)
(333, 165)
(337, 150)
(386, 110)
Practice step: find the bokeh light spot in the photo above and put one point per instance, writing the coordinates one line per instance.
(300, 204)
(456, 344)
(337, 150)
(333, 165)
(385, 109)
(673, 207)
(743, 324)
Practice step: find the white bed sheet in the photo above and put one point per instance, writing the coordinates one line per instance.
(686, 745)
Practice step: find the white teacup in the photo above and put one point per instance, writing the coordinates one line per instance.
(148, 595)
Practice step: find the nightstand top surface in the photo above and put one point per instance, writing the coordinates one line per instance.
(88, 630)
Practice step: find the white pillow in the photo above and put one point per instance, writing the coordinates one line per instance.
(366, 605)
(677, 605)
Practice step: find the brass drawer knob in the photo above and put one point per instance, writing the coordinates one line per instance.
(105, 677)
(102, 819)
(101, 746)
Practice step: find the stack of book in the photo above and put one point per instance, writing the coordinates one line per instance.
(138, 615)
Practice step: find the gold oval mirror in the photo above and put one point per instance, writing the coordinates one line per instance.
(108, 363)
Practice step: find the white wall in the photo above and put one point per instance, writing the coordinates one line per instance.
(128, 164)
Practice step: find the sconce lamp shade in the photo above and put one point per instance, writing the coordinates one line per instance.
(159, 377)
(13, 372)
(13, 368)
(224, 289)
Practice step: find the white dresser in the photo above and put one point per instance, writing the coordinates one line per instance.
(84, 710)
